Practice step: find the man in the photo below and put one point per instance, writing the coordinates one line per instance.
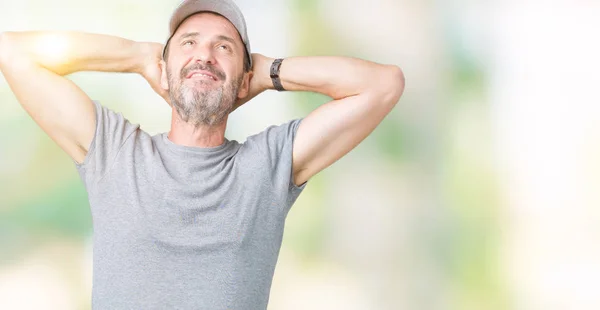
(189, 219)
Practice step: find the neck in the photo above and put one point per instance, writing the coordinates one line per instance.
(186, 134)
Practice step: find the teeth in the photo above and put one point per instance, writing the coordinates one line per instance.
(201, 74)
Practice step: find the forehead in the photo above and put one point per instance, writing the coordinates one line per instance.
(208, 24)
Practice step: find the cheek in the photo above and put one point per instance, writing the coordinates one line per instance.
(176, 64)
(233, 74)
(229, 65)
(173, 75)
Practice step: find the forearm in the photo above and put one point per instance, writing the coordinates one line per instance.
(67, 52)
(336, 77)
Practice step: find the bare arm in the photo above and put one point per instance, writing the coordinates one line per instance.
(363, 94)
(34, 63)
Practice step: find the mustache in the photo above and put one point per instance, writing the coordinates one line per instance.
(198, 66)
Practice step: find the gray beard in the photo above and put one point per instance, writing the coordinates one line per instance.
(202, 108)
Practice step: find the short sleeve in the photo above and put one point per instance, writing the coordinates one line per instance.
(276, 145)
(112, 131)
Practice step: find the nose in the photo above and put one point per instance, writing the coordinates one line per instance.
(204, 54)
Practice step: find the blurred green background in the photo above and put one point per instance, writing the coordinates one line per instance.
(480, 190)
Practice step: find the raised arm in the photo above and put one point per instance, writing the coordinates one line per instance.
(364, 93)
(34, 64)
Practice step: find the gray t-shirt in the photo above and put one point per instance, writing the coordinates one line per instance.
(179, 227)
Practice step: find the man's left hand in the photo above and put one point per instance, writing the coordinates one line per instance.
(258, 77)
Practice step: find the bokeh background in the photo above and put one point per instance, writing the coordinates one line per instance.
(481, 190)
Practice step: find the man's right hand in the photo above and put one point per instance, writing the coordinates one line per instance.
(152, 69)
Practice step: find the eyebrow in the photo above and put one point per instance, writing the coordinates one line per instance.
(188, 35)
(226, 38)
(197, 34)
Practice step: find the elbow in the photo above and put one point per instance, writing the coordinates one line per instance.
(389, 85)
(394, 88)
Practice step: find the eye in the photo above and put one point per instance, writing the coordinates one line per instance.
(224, 47)
(187, 42)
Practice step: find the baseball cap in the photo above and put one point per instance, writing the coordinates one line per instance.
(225, 8)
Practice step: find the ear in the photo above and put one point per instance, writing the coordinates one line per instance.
(164, 81)
(245, 87)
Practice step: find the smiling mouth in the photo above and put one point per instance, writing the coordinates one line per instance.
(202, 76)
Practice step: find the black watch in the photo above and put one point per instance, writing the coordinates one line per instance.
(275, 74)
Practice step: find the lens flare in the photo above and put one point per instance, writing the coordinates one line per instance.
(53, 47)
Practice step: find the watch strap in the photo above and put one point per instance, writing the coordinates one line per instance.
(275, 68)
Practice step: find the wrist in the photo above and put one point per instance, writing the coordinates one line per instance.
(262, 69)
(146, 54)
